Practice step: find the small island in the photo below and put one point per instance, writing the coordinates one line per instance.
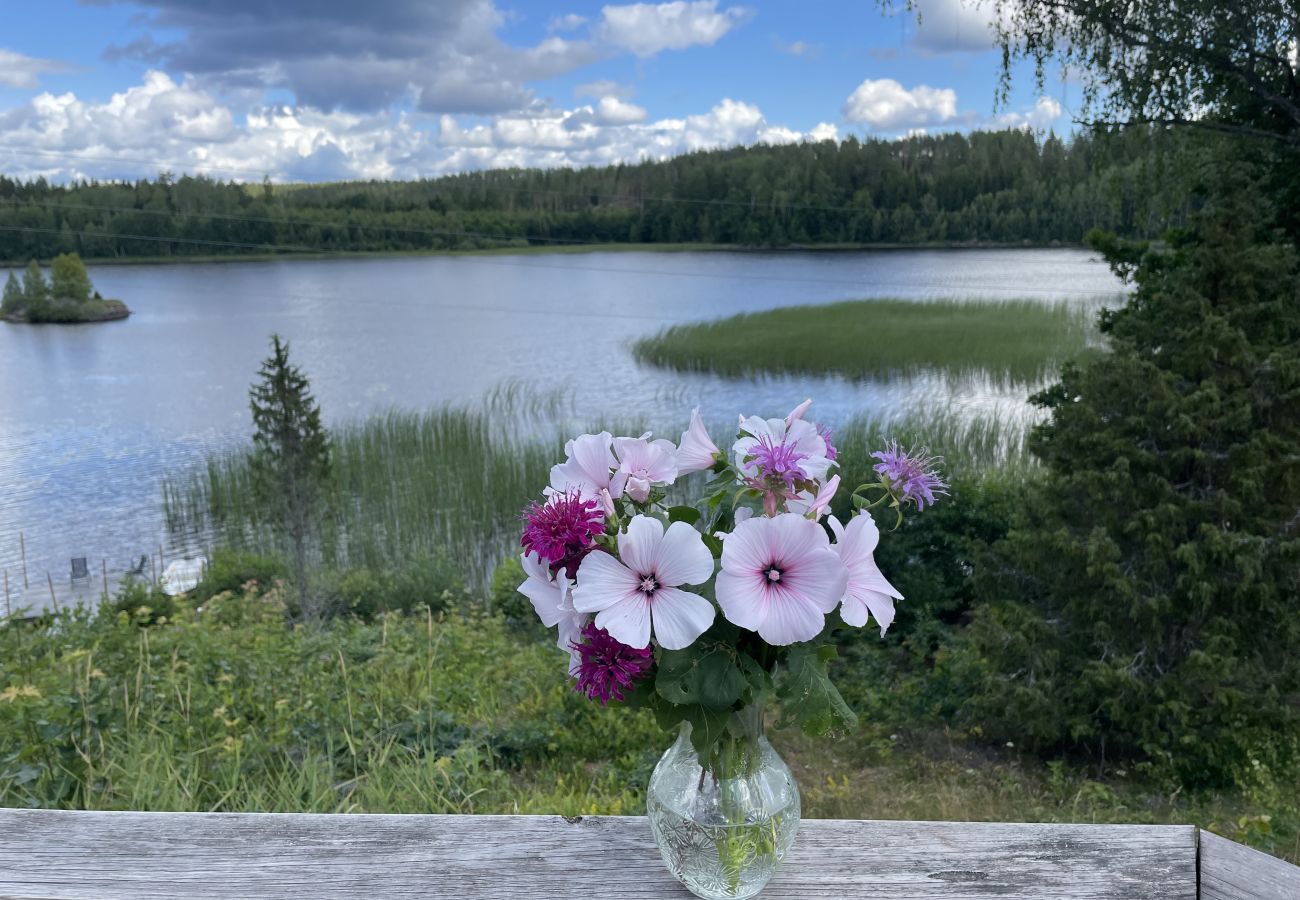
(67, 297)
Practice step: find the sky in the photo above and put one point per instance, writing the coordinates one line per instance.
(315, 90)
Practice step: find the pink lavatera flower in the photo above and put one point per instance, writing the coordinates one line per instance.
(781, 450)
(642, 463)
(815, 506)
(553, 602)
(638, 595)
(868, 590)
(780, 578)
(589, 468)
(696, 452)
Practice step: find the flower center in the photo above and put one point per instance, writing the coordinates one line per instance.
(649, 584)
(773, 574)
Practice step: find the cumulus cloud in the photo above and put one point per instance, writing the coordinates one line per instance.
(649, 28)
(164, 123)
(445, 56)
(19, 71)
(1042, 115)
(955, 26)
(885, 105)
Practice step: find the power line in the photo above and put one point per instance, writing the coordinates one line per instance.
(167, 240)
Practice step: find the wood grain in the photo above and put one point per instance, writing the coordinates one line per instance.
(55, 855)
(1230, 871)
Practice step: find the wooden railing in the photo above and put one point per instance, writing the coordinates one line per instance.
(57, 855)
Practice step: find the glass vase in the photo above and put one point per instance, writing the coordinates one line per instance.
(724, 824)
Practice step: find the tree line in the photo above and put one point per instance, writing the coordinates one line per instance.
(986, 187)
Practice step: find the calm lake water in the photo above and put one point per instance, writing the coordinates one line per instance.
(92, 416)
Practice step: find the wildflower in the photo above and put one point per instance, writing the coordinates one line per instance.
(552, 601)
(776, 455)
(867, 589)
(696, 452)
(588, 468)
(642, 464)
(605, 666)
(915, 476)
(824, 431)
(563, 528)
(637, 593)
(814, 506)
(780, 578)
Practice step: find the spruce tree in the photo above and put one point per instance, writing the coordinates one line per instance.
(291, 462)
(1148, 607)
(13, 296)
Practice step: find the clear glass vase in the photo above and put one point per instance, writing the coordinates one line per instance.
(724, 824)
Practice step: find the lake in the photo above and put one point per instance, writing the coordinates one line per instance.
(92, 416)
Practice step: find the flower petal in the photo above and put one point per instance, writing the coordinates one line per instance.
(742, 597)
(748, 547)
(638, 546)
(820, 578)
(682, 557)
(696, 451)
(679, 617)
(791, 618)
(602, 581)
(627, 620)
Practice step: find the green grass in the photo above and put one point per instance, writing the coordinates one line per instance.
(450, 483)
(226, 709)
(1020, 341)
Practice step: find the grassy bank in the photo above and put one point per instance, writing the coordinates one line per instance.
(61, 312)
(409, 489)
(226, 709)
(1017, 340)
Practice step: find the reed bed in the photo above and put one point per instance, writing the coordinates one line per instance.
(1014, 341)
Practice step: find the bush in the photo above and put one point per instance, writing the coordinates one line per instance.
(431, 582)
(142, 604)
(231, 570)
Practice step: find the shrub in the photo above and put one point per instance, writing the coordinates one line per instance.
(231, 570)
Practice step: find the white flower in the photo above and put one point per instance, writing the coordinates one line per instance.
(553, 602)
(588, 467)
(638, 593)
(867, 590)
(641, 465)
(804, 446)
(814, 507)
(696, 452)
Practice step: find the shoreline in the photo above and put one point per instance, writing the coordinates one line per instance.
(566, 249)
(116, 313)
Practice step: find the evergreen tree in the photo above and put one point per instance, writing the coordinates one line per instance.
(291, 462)
(13, 296)
(1157, 563)
(68, 278)
(36, 290)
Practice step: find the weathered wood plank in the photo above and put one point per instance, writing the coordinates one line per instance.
(55, 855)
(1230, 871)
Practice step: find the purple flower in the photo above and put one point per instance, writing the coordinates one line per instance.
(914, 475)
(825, 432)
(562, 529)
(606, 668)
(778, 460)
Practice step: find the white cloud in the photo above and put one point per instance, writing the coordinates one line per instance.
(799, 48)
(1043, 115)
(649, 28)
(957, 26)
(19, 71)
(571, 22)
(604, 89)
(164, 124)
(885, 105)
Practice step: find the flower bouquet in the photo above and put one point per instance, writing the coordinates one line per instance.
(710, 603)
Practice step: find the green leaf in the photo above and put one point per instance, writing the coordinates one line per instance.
(688, 514)
(707, 727)
(808, 697)
(760, 680)
(703, 674)
(714, 545)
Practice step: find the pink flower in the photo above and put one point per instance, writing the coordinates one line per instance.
(867, 589)
(641, 465)
(814, 506)
(562, 529)
(780, 578)
(696, 452)
(588, 468)
(640, 594)
(552, 602)
(605, 667)
(794, 447)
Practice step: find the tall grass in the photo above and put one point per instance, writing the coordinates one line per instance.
(1019, 341)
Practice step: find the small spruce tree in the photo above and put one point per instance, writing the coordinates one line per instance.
(13, 296)
(291, 462)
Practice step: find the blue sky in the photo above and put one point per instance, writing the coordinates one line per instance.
(315, 89)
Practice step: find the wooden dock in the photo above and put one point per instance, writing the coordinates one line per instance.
(59, 855)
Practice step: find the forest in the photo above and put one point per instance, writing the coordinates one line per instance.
(1007, 187)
